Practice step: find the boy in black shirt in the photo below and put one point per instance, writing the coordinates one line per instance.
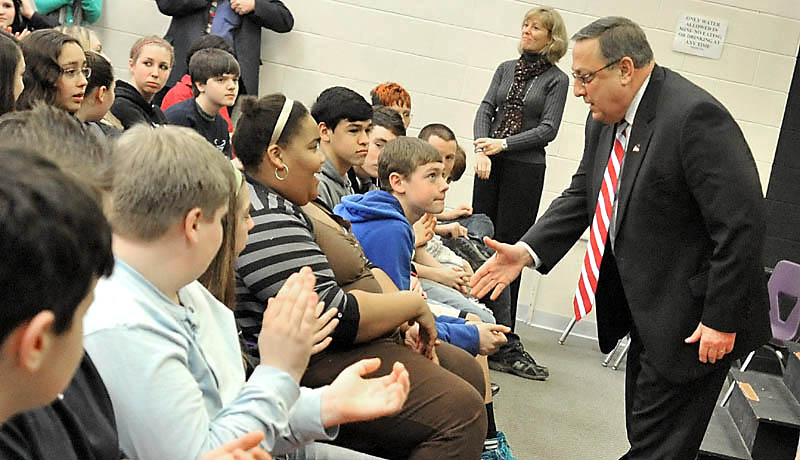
(215, 82)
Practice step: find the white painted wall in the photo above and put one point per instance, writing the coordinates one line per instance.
(445, 52)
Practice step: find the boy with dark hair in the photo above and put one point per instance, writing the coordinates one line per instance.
(345, 121)
(395, 97)
(215, 84)
(386, 125)
(184, 89)
(55, 244)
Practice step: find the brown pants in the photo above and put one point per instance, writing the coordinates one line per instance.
(443, 418)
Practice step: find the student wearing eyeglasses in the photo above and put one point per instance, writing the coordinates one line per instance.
(55, 71)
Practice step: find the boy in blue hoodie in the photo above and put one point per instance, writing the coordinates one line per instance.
(412, 182)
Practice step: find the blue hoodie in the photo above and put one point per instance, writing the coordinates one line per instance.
(387, 239)
(383, 231)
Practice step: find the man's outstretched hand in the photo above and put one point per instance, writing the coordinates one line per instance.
(500, 270)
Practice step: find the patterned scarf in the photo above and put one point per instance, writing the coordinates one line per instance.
(529, 65)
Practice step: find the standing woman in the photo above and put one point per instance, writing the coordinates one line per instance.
(55, 71)
(12, 66)
(518, 117)
(151, 60)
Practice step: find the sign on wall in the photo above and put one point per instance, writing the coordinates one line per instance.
(700, 36)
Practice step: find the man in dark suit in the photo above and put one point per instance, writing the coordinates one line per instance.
(682, 266)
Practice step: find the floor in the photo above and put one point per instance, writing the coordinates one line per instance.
(576, 414)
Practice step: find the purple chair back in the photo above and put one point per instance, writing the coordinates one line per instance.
(785, 279)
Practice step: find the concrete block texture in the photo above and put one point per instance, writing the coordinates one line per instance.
(445, 53)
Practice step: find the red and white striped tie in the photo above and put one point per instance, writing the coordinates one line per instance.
(601, 223)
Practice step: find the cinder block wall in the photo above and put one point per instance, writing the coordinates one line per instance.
(445, 52)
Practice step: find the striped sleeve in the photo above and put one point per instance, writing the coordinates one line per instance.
(281, 243)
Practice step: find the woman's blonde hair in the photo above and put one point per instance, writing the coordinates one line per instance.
(551, 20)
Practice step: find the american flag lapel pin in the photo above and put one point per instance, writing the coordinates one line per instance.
(636, 148)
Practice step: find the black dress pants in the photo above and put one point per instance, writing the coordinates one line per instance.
(666, 420)
(510, 197)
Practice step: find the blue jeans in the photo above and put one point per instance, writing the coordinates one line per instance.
(450, 297)
(477, 225)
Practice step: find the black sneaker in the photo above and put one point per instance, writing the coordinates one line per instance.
(519, 348)
(521, 364)
(465, 249)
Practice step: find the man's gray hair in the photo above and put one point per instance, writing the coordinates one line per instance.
(618, 37)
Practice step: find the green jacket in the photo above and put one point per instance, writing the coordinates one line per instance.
(90, 9)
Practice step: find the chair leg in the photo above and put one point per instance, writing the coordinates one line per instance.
(733, 384)
(613, 352)
(566, 332)
(747, 360)
(622, 354)
(609, 357)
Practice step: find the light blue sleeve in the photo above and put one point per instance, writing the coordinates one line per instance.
(162, 411)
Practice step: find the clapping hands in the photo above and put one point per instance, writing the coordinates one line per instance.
(353, 398)
(292, 328)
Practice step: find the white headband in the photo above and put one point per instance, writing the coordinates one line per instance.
(282, 119)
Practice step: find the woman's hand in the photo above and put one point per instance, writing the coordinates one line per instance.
(19, 35)
(326, 324)
(488, 146)
(242, 7)
(483, 166)
(27, 9)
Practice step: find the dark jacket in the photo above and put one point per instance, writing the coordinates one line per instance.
(189, 20)
(543, 107)
(131, 108)
(36, 22)
(215, 131)
(689, 229)
(79, 426)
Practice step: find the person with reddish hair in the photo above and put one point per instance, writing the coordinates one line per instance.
(395, 97)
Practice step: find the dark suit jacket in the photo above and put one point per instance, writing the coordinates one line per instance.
(189, 20)
(690, 228)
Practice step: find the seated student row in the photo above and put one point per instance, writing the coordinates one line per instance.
(81, 417)
(116, 357)
(71, 103)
